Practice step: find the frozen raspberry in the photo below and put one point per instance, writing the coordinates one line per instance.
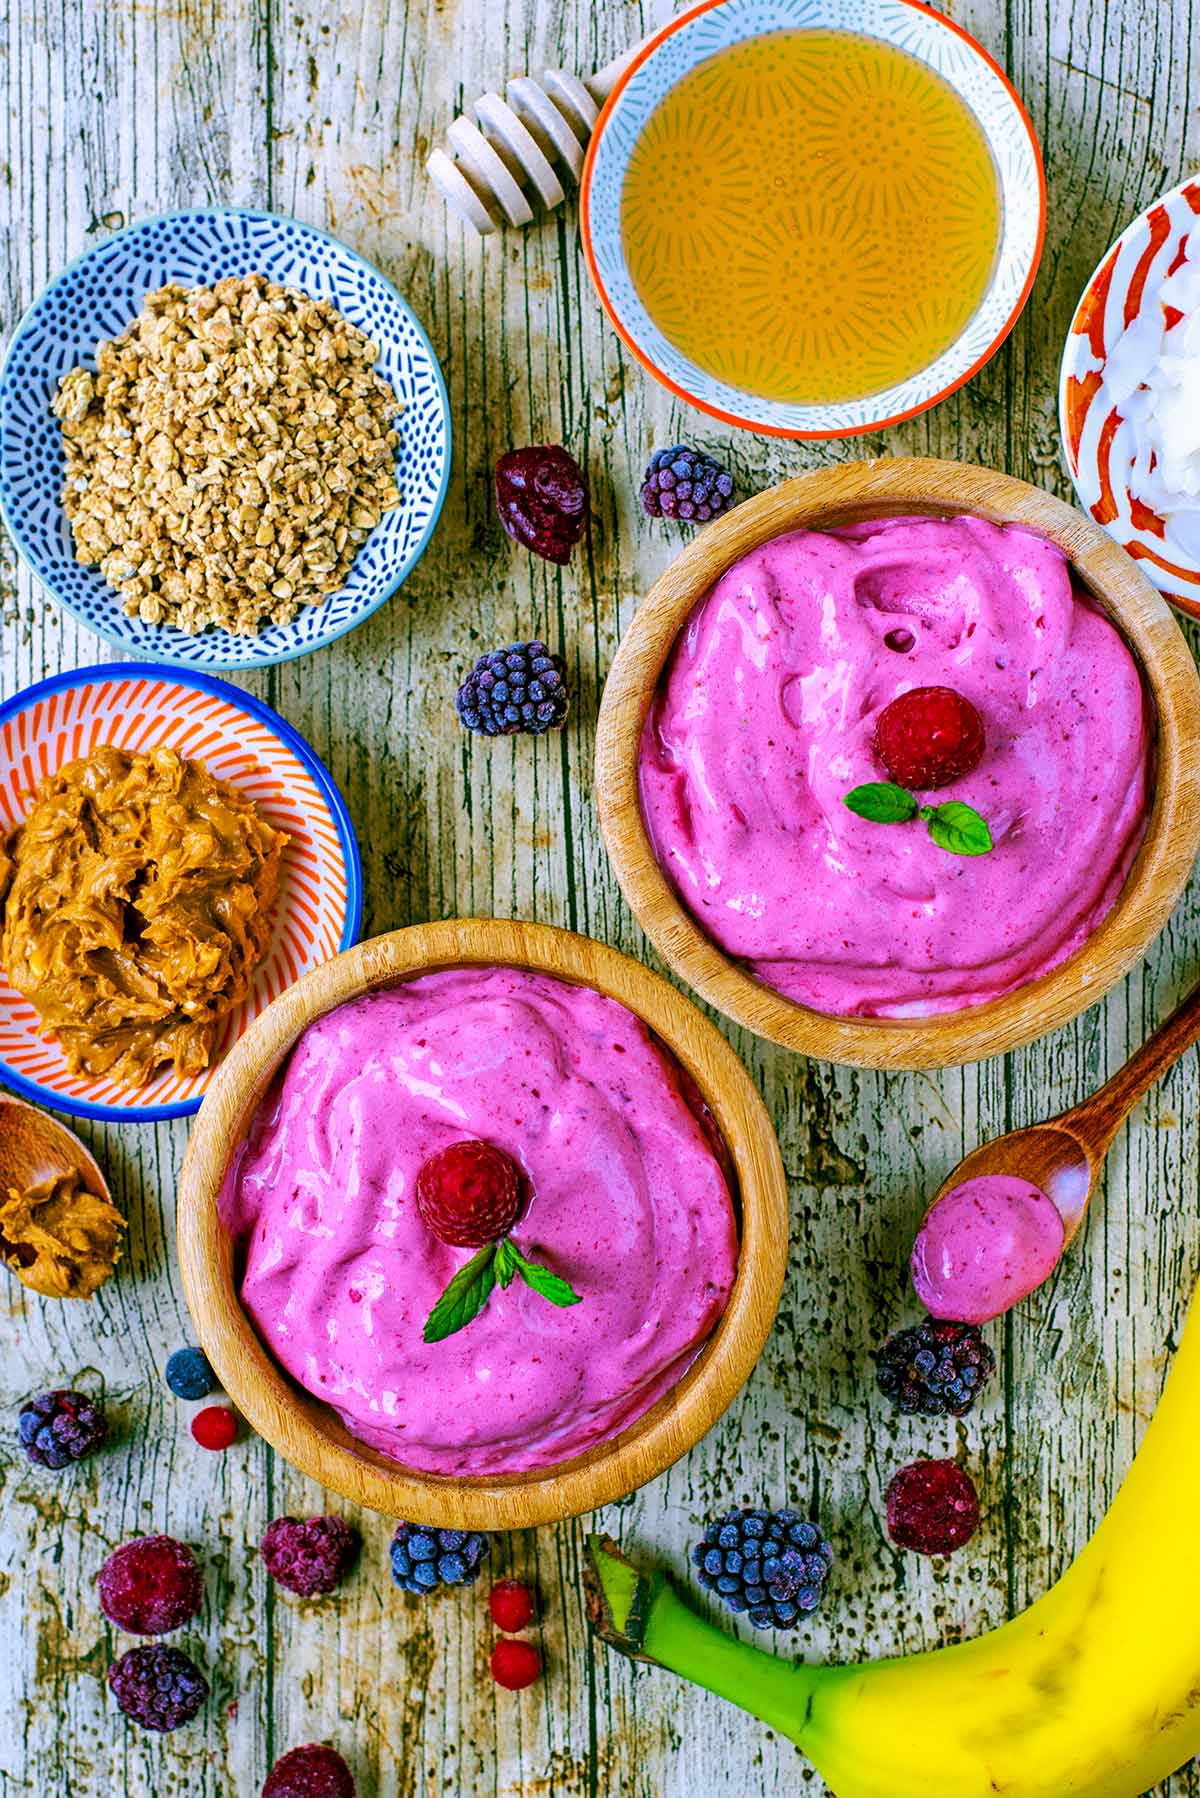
(542, 499)
(515, 1664)
(150, 1586)
(511, 1605)
(469, 1194)
(158, 1687)
(215, 1427)
(929, 737)
(59, 1427)
(313, 1771)
(307, 1555)
(932, 1507)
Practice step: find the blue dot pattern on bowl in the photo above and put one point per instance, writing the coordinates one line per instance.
(96, 298)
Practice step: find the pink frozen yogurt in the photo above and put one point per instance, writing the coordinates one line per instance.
(628, 1201)
(764, 720)
(985, 1246)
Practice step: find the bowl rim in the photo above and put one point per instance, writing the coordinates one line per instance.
(1072, 357)
(307, 1432)
(760, 426)
(291, 738)
(218, 665)
(824, 498)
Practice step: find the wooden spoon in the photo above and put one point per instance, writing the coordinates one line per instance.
(35, 1147)
(1064, 1156)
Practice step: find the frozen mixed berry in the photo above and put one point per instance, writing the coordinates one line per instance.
(511, 1605)
(771, 1564)
(189, 1374)
(682, 482)
(150, 1586)
(929, 737)
(59, 1427)
(158, 1687)
(424, 1560)
(215, 1427)
(515, 1664)
(469, 1194)
(313, 1771)
(309, 1555)
(542, 499)
(521, 688)
(932, 1507)
(936, 1369)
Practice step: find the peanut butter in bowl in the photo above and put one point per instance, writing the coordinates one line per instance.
(137, 903)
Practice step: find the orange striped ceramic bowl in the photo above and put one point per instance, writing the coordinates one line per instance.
(240, 740)
(1098, 441)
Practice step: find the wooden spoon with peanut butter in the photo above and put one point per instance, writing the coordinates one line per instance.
(60, 1232)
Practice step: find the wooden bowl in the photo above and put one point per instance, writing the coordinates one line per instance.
(840, 496)
(312, 1436)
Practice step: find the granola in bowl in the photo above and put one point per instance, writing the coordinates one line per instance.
(231, 452)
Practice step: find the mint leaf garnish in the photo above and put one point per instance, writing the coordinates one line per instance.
(957, 828)
(953, 825)
(882, 802)
(548, 1285)
(506, 1262)
(465, 1297)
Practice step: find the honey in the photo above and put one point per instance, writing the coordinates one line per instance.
(811, 216)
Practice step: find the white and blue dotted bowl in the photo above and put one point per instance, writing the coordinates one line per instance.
(102, 293)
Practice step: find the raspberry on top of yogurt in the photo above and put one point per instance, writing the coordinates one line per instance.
(770, 711)
(623, 1195)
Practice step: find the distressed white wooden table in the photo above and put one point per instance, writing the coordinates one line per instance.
(114, 109)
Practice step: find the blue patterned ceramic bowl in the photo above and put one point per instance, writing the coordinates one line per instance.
(907, 25)
(97, 297)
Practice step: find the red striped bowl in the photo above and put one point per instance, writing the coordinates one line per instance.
(1094, 434)
(241, 741)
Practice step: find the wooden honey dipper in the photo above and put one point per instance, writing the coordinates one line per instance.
(529, 146)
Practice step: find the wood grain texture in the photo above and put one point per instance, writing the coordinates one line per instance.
(113, 109)
(309, 1435)
(845, 495)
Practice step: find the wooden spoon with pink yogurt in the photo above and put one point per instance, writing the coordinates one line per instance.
(997, 1228)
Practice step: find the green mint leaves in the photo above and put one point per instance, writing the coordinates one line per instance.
(954, 826)
(472, 1286)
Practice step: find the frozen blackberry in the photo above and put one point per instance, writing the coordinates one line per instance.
(59, 1427)
(935, 1369)
(309, 1555)
(313, 1771)
(150, 1586)
(158, 1687)
(519, 688)
(682, 482)
(771, 1564)
(425, 1560)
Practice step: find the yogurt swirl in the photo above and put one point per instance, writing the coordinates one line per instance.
(628, 1202)
(764, 720)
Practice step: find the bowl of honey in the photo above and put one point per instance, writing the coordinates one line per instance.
(813, 218)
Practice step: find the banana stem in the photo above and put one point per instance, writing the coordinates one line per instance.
(641, 1616)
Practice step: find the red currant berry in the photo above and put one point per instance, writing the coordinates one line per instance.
(215, 1427)
(515, 1664)
(511, 1605)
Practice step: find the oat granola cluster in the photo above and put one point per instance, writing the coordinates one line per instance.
(233, 449)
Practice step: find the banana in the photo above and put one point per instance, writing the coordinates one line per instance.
(1093, 1691)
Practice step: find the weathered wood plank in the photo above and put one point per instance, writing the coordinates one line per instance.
(326, 111)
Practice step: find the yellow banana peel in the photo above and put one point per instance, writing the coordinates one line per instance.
(1093, 1692)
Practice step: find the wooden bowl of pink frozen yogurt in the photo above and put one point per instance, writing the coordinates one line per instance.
(651, 1194)
(743, 708)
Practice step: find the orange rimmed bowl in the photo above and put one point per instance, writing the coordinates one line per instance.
(906, 25)
(310, 1434)
(843, 495)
